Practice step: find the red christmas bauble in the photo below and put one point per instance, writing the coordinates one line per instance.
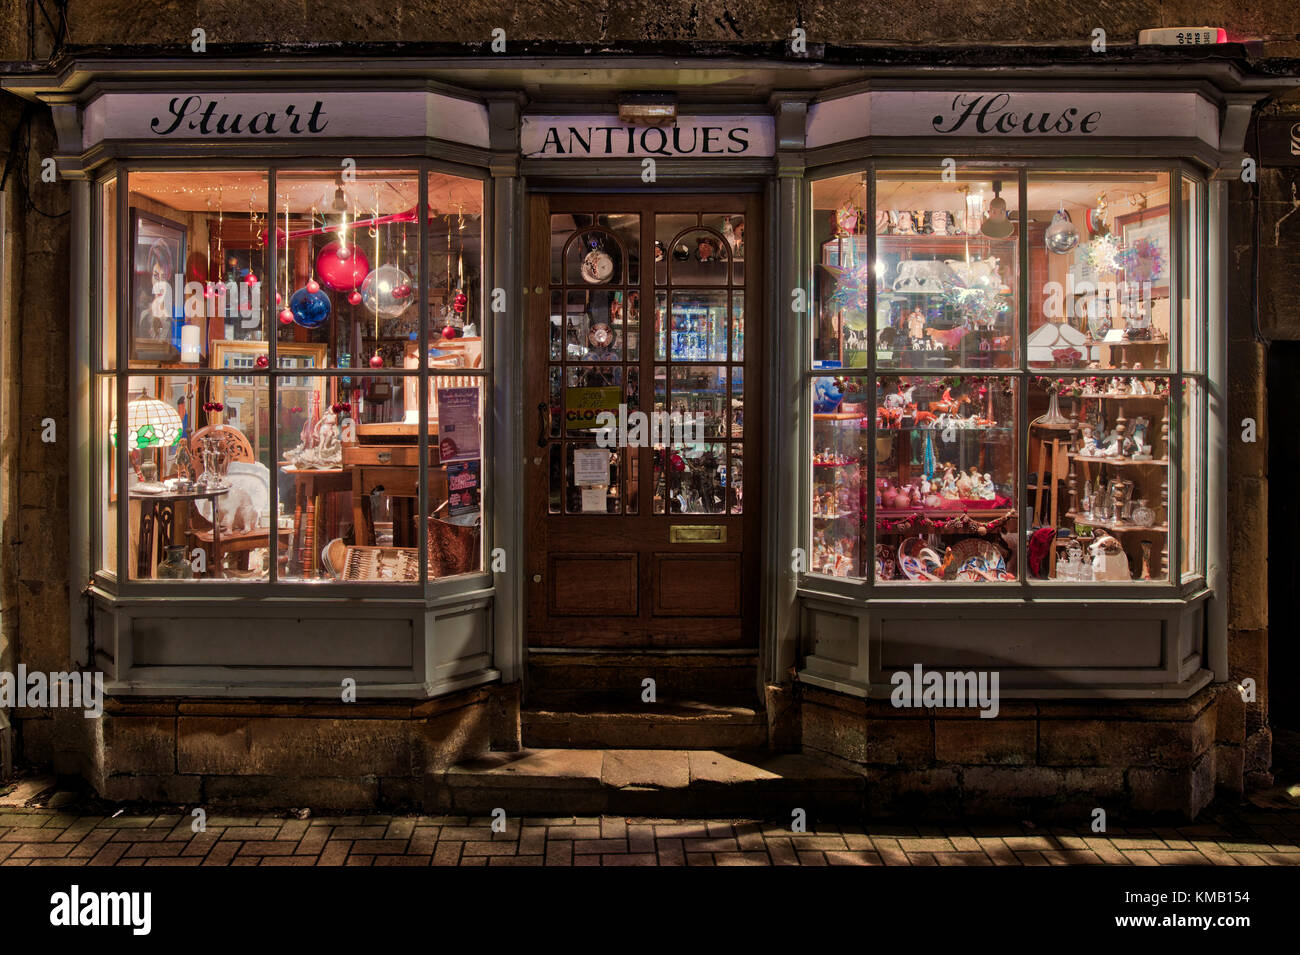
(459, 302)
(354, 297)
(313, 286)
(278, 298)
(402, 291)
(250, 278)
(450, 331)
(286, 317)
(376, 360)
(342, 269)
(262, 361)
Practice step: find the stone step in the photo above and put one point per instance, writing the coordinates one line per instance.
(565, 680)
(663, 725)
(655, 783)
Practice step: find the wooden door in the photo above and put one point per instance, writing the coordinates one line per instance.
(651, 303)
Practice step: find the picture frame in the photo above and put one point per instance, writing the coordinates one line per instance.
(1148, 225)
(245, 395)
(157, 255)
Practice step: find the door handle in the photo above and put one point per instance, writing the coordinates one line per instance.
(542, 423)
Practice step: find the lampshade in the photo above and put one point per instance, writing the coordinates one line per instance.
(150, 423)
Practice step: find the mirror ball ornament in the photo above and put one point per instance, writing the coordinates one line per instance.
(377, 291)
(1062, 235)
(310, 309)
(342, 268)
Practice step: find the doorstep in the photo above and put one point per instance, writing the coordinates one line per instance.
(651, 782)
(689, 724)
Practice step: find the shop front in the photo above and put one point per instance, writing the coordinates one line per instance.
(416, 417)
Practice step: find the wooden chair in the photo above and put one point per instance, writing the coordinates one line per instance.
(237, 448)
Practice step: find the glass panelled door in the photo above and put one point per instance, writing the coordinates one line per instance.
(637, 357)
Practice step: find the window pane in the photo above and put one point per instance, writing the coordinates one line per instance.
(198, 263)
(945, 477)
(455, 475)
(1099, 270)
(108, 275)
(840, 280)
(1192, 477)
(946, 269)
(106, 496)
(839, 462)
(348, 275)
(698, 326)
(456, 304)
(1098, 482)
(196, 481)
(1193, 276)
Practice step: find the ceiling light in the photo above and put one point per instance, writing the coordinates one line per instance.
(648, 109)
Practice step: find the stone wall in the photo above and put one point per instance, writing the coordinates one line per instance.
(1034, 760)
(880, 22)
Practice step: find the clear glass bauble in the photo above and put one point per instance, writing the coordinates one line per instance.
(387, 290)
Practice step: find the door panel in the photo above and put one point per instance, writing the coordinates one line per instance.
(639, 307)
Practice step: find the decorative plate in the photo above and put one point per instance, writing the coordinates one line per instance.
(978, 560)
(597, 267)
(918, 560)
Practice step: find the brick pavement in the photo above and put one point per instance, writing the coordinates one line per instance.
(1250, 835)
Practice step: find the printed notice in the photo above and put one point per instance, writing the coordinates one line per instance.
(590, 467)
(458, 424)
(593, 500)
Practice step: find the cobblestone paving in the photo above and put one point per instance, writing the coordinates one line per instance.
(1250, 836)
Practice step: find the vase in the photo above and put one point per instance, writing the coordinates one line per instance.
(174, 566)
(1142, 515)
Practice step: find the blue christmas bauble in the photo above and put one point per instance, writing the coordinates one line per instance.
(310, 309)
(826, 396)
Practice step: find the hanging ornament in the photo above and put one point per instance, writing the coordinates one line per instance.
(1102, 254)
(262, 361)
(279, 299)
(313, 286)
(1062, 235)
(250, 279)
(377, 291)
(460, 302)
(342, 268)
(309, 309)
(1096, 219)
(286, 316)
(450, 331)
(354, 297)
(376, 360)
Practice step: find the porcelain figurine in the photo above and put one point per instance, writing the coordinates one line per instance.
(949, 486)
(1088, 444)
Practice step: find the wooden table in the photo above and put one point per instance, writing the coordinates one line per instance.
(308, 484)
(395, 468)
(161, 509)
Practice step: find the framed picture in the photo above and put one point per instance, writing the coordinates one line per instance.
(245, 394)
(1146, 233)
(157, 265)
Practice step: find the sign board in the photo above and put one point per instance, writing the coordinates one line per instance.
(584, 406)
(605, 137)
(212, 117)
(1001, 114)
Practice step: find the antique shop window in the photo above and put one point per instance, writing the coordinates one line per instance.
(1007, 376)
(271, 387)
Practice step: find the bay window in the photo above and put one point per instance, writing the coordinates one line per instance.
(1007, 385)
(290, 375)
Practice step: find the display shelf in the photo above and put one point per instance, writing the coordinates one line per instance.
(1112, 527)
(1118, 462)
